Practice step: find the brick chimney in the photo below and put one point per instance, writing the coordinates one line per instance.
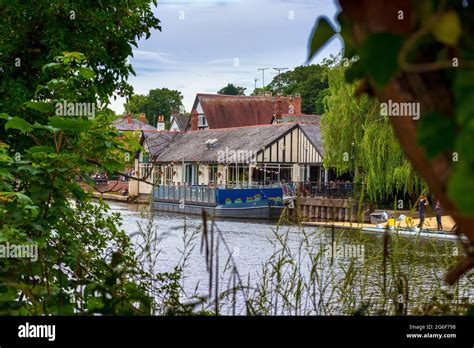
(194, 119)
(142, 118)
(128, 117)
(295, 105)
(278, 102)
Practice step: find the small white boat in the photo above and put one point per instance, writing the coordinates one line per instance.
(415, 232)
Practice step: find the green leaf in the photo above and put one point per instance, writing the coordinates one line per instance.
(112, 165)
(463, 88)
(379, 56)
(22, 198)
(345, 34)
(465, 142)
(50, 65)
(436, 133)
(42, 148)
(87, 73)
(459, 188)
(75, 55)
(72, 124)
(39, 106)
(4, 116)
(19, 124)
(322, 33)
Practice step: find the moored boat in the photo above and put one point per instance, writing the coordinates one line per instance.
(244, 203)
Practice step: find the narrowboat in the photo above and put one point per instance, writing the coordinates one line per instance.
(241, 203)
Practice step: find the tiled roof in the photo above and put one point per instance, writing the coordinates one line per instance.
(191, 146)
(298, 118)
(122, 125)
(224, 111)
(182, 121)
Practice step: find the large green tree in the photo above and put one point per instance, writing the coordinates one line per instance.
(310, 82)
(33, 32)
(160, 101)
(231, 89)
(359, 140)
(85, 263)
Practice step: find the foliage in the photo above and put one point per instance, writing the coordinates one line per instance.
(37, 31)
(357, 139)
(310, 82)
(262, 90)
(230, 89)
(160, 101)
(85, 263)
(420, 52)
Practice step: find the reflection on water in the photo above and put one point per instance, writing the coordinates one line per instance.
(252, 243)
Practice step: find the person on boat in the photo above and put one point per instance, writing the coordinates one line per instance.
(422, 204)
(439, 211)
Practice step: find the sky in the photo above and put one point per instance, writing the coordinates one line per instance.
(206, 44)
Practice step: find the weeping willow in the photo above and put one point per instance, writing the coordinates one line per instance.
(358, 140)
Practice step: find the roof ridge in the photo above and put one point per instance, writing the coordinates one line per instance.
(232, 96)
(240, 127)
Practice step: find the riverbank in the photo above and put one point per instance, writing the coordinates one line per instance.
(110, 196)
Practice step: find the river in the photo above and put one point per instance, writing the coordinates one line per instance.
(252, 243)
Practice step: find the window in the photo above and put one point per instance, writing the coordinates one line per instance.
(145, 170)
(168, 175)
(237, 174)
(213, 174)
(202, 122)
(191, 174)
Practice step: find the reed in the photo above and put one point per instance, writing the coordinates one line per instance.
(305, 275)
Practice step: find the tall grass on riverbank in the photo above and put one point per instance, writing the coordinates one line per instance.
(312, 271)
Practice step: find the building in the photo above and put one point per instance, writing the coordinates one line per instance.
(216, 111)
(127, 123)
(179, 122)
(237, 156)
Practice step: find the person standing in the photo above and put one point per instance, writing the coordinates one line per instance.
(438, 210)
(422, 204)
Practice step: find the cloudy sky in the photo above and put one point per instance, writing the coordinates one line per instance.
(205, 44)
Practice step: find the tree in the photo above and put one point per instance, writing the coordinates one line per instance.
(76, 247)
(359, 140)
(161, 101)
(85, 263)
(261, 90)
(420, 52)
(230, 89)
(33, 33)
(310, 82)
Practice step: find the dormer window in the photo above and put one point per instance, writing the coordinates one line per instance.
(202, 122)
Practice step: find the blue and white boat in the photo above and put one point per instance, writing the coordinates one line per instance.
(242, 203)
